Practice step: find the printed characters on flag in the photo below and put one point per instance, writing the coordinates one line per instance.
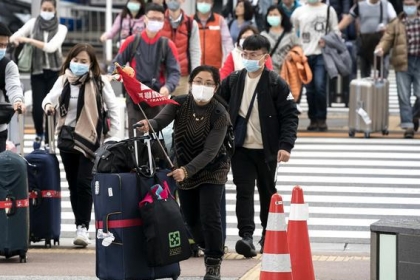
(139, 92)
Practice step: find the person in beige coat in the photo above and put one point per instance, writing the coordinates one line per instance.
(403, 36)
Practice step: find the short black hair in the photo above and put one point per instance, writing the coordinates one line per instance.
(285, 20)
(248, 10)
(256, 42)
(206, 68)
(245, 29)
(154, 7)
(4, 30)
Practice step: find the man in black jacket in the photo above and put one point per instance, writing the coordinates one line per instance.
(265, 120)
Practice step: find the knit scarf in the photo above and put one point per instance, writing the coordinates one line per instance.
(38, 55)
(88, 129)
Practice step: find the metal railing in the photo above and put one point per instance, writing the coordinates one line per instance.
(85, 24)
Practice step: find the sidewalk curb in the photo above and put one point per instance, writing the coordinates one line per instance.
(254, 273)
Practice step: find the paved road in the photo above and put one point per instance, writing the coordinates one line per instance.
(348, 183)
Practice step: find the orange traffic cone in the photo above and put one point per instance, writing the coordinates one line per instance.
(299, 244)
(275, 263)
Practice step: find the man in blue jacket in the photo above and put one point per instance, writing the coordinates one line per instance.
(265, 120)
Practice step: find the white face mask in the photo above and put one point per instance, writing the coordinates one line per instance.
(154, 26)
(47, 15)
(202, 93)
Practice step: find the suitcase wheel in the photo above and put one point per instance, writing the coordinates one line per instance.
(352, 133)
(56, 242)
(367, 134)
(22, 258)
(48, 243)
(385, 132)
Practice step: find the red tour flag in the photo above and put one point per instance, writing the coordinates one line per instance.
(140, 92)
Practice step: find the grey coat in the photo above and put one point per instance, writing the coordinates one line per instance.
(337, 58)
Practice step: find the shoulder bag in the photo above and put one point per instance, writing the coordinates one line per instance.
(164, 227)
(25, 58)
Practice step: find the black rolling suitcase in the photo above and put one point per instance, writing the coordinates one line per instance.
(45, 192)
(14, 206)
(120, 239)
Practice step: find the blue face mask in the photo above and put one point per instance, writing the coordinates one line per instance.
(173, 5)
(79, 69)
(133, 7)
(251, 65)
(274, 20)
(410, 10)
(2, 53)
(203, 8)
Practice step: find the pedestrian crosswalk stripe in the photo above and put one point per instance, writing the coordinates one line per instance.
(348, 185)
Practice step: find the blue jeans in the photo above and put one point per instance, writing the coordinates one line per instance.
(406, 79)
(316, 90)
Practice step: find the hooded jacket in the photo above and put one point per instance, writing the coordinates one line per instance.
(337, 58)
(296, 71)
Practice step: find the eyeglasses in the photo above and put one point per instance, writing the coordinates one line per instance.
(251, 55)
(207, 84)
(156, 19)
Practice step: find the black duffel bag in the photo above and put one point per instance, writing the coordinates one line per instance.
(119, 157)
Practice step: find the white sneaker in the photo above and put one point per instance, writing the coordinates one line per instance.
(82, 237)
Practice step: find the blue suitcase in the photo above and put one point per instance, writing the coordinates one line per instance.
(44, 193)
(44, 197)
(14, 212)
(116, 198)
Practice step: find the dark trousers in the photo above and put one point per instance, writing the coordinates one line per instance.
(134, 114)
(3, 138)
(41, 85)
(201, 209)
(316, 90)
(79, 176)
(248, 166)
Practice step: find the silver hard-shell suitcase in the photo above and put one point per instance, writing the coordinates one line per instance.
(369, 104)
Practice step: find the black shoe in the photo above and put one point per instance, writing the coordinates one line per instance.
(322, 125)
(416, 124)
(245, 247)
(212, 268)
(261, 242)
(409, 133)
(313, 126)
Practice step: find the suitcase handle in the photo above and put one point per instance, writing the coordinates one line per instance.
(375, 69)
(51, 133)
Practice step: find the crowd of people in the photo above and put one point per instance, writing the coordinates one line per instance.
(239, 64)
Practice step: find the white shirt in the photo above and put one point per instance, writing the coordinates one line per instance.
(107, 94)
(253, 139)
(311, 21)
(49, 46)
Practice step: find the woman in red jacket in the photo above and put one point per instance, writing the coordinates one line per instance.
(233, 61)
